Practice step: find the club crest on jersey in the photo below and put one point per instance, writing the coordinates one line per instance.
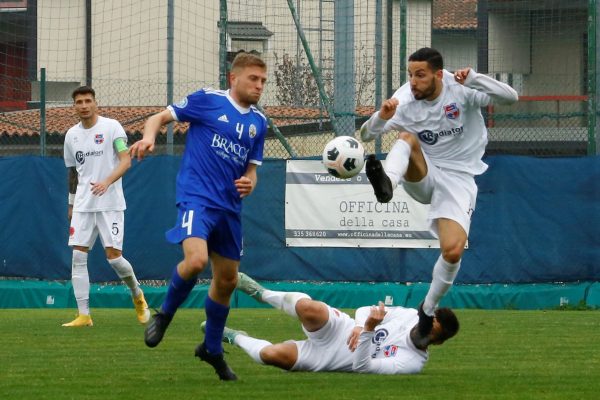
(452, 111)
(252, 131)
(390, 351)
(99, 138)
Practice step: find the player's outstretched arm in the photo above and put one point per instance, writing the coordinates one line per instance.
(500, 92)
(378, 123)
(151, 129)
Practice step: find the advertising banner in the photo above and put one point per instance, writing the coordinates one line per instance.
(324, 211)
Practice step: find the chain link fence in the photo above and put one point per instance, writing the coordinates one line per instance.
(331, 63)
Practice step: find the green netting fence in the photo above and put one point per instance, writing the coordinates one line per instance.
(331, 63)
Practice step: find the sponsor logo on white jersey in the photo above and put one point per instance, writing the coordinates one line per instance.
(223, 118)
(431, 138)
(380, 335)
(80, 156)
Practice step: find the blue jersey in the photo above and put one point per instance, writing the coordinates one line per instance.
(222, 140)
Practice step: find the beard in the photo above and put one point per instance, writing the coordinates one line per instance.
(423, 94)
(249, 98)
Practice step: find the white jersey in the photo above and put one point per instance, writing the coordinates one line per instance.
(93, 153)
(388, 349)
(450, 128)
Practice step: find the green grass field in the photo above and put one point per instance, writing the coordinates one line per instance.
(497, 355)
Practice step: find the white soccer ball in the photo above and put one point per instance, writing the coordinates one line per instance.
(344, 157)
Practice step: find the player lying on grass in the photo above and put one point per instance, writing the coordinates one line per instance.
(379, 340)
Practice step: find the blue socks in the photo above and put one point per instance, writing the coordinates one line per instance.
(178, 291)
(216, 316)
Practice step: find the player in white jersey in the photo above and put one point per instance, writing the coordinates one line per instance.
(377, 341)
(438, 152)
(95, 154)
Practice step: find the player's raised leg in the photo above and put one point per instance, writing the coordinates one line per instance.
(404, 161)
(285, 301)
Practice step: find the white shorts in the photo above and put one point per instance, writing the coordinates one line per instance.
(85, 227)
(326, 349)
(450, 194)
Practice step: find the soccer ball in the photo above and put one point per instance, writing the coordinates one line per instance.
(343, 157)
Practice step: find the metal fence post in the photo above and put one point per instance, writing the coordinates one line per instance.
(170, 50)
(594, 49)
(223, 45)
(43, 112)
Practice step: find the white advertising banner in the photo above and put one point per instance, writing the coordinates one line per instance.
(324, 211)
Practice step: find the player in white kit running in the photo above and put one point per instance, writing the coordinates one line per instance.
(377, 341)
(96, 156)
(442, 138)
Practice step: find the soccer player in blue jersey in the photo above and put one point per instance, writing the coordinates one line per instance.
(224, 146)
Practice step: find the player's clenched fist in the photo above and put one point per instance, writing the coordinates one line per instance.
(461, 75)
(140, 148)
(388, 108)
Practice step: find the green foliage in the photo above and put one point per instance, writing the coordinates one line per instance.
(496, 355)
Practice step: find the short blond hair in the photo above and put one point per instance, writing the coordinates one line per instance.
(244, 60)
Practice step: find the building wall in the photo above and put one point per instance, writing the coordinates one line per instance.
(61, 39)
(509, 49)
(458, 49)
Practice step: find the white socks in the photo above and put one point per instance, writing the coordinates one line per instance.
(441, 280)
(80, 280)
(285, 301)
(124, 271)
(251, 346)
(396, 162)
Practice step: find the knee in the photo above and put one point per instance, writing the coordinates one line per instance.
(275, 356)
(409, 138)
(305, 307)
(112, 253)
(453, 253)
(225, 284)
(195, 263)
(310, 311)
(269, 355)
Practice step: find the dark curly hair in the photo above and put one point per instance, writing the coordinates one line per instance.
(448, 322)
(432, 56)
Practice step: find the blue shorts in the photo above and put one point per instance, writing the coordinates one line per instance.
(221, 229)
